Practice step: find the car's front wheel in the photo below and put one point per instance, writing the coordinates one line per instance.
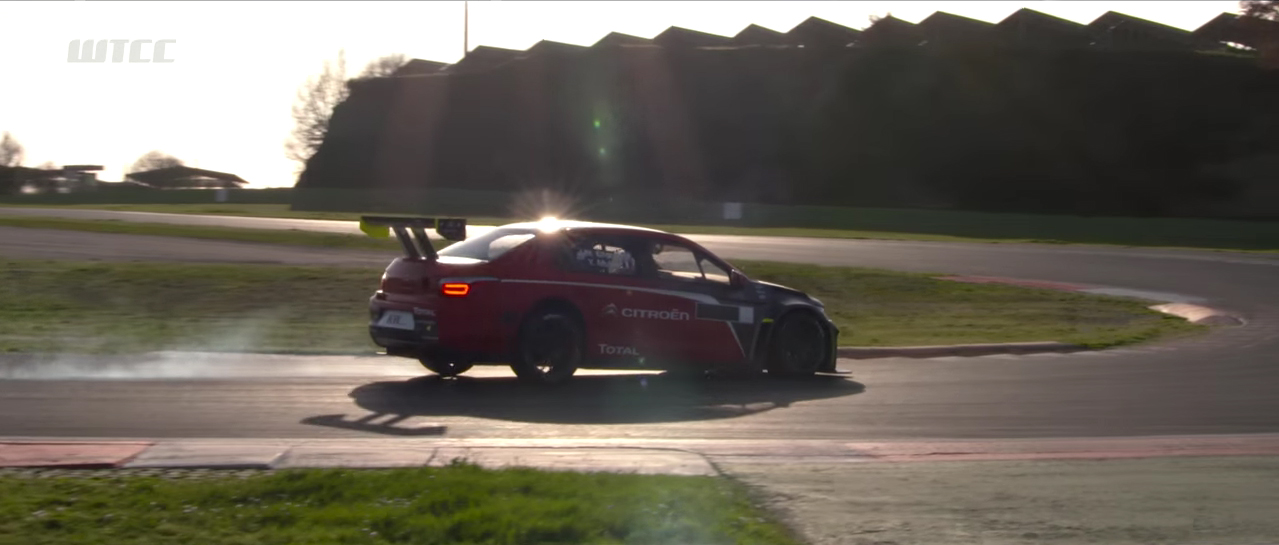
(446, 368)
(799, 346)
(549, 348)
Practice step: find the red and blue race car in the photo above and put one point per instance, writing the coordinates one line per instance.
(551, 297)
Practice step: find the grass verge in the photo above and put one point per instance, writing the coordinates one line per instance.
(232, 209)
(966, 226)
(891, 224)
(207, 232)
(459, 503)
(876, 307)
(102, 307)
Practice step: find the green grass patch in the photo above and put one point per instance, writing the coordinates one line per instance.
(207, 232)
(887, 308)
(889, 224)
(234, 209)
(128, 307)
(456, 504)
(820, 233)
(224, 209)
(97, 307)
(988, 227)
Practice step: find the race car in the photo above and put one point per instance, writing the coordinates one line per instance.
(553, 296)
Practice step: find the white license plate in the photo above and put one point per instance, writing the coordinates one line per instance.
(396, 319)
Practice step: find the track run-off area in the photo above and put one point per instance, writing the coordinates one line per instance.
(1221, 382)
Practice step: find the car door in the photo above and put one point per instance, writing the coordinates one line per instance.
(613, 293)
(721, 325)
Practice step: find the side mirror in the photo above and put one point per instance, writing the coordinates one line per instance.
(736, 279)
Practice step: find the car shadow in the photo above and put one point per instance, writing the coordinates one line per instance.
(591, 399)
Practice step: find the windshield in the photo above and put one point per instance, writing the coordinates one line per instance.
(489, 246)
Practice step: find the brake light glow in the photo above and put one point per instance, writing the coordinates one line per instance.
(455, 289)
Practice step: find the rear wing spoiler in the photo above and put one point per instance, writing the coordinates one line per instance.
(412, 232)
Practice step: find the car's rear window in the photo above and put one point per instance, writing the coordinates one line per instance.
(490, 245)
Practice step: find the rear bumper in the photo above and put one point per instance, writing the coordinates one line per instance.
(386, 337)
(411, 344)
(421, 342)
(424, 331)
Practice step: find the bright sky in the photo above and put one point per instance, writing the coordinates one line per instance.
(224, 103)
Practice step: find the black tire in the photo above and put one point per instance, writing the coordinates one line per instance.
(446, 368)
(798, 346)
(550, 347)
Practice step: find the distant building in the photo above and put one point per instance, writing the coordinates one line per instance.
(817, 32)
(1024, 28)
(946, 29)
(1030, 28)
(1226, 28)
(483, 58)
(418, 67)
(184, 177)
(1243, 33)
(683, 37)
(68, 179)
(1114, 30)
(891, 32)
(80, 177)
(613, 39)
(27, 180)
(548, 47)
(758, 35)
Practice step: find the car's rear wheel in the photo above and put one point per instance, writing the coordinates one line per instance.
(446, 368)
(798, 347)
(549, 347)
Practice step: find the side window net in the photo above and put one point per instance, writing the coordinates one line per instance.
(602, 258)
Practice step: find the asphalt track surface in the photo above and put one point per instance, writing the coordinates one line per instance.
(1221, 382)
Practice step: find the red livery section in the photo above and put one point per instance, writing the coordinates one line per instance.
(550, 297)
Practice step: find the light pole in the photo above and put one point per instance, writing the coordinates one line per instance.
(466, 28)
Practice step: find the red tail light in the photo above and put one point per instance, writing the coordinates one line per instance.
(455, 289)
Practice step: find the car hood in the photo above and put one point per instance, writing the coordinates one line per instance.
(781, 288)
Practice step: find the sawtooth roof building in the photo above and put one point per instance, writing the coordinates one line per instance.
(1023, 28)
